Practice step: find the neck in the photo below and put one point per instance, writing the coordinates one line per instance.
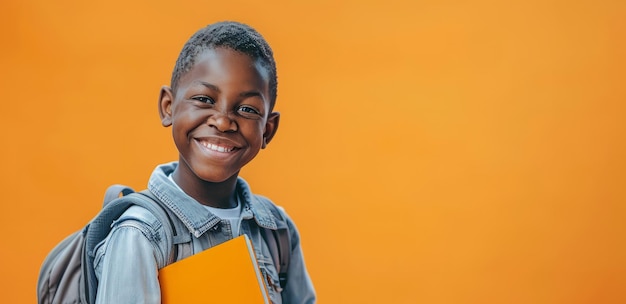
(217, 195)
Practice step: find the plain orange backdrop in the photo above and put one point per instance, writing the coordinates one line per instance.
(429, 151)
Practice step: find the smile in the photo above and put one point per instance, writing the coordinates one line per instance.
(217, 147)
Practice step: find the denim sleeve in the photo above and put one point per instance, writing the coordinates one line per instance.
(299, 288)
(127, 264)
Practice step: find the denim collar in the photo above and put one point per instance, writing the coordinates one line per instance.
(197, 218)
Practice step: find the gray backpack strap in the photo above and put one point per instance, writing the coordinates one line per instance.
(279, 251)
(278, 241)
(182, 244)
(181, 237)
(114, 191)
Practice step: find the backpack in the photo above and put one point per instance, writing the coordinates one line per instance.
(67, 274)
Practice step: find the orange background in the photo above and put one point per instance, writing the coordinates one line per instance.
(429, 151)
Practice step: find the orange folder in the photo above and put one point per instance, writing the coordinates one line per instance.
(226, 273)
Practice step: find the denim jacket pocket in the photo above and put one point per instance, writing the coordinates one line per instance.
(270, 276)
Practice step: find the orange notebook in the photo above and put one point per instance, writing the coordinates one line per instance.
(226, 273)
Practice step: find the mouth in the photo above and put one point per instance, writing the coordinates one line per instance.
(216, 145)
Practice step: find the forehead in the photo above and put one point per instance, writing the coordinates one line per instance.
(225, 67)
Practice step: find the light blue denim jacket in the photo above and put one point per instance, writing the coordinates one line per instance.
(127, 261)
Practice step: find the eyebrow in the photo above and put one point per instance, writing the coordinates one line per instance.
(250, 94)
(210, 86)
(242, 94)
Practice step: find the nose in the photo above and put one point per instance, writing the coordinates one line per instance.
(222, 122)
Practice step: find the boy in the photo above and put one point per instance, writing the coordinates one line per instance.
(219, 106)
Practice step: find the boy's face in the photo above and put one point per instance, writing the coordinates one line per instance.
(220, 114)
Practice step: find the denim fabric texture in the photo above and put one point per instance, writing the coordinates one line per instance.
(127, 261)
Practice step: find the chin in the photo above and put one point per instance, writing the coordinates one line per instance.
(212, 176)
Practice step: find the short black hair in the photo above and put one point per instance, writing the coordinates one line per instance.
(233, 35)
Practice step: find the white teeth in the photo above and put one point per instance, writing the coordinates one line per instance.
(218, 148)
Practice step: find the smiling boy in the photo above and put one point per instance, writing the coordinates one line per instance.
(220, 108)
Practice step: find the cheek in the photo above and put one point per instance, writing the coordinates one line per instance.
(188, 120)
(254, 132)
(254, 139)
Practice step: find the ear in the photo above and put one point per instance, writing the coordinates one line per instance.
(270, 128)
(166, 98)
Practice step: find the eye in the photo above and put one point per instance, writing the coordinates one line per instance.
(204, 99)
(249, 110)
